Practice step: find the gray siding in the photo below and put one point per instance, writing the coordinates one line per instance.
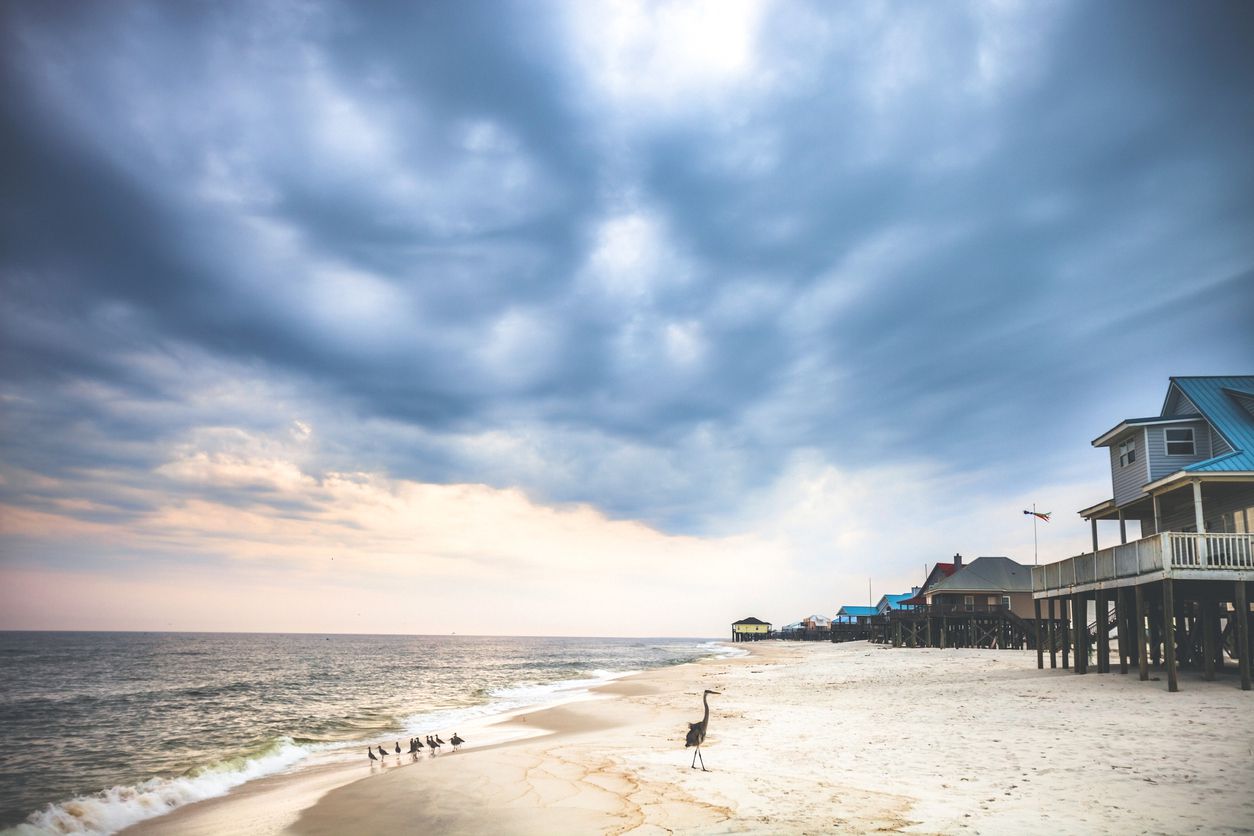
(1184, 519)
(1161, 464)
(1218, 445)
(1178, 404)
(1128, 481)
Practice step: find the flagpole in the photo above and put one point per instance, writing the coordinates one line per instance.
(1035, 560)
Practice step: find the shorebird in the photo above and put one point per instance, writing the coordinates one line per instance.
(438, 741)
(696, 731)
(457, 741)
(413, 745)
(431, 743)
(398, 747)
(370, 752)
(383, 753)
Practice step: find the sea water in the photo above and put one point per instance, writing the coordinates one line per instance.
(101, 730)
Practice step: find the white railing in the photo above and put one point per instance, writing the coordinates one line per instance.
(1170, 550)
(1211, 551)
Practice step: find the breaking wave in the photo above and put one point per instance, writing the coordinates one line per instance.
(111, 810)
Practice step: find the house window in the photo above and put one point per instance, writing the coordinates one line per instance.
(968, 602)
(1005, 601)
(1127, 452)
(1180, 442)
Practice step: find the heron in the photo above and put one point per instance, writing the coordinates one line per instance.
(457, 741)
(696, 731)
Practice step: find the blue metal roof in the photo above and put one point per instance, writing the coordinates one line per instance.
(893, 602)
(856, 611)
(1220, 400)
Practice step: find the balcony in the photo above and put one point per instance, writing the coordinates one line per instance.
(1175, 554)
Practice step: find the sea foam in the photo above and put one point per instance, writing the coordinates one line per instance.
(111, 810)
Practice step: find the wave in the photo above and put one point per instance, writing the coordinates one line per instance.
(111, 810)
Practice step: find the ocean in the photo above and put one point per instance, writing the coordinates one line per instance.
(101, 730)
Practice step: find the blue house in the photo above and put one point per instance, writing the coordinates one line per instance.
(1186, 475)
(890, 603)
(1190, 468)
(853, 615)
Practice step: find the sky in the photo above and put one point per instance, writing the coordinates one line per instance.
(590, 318)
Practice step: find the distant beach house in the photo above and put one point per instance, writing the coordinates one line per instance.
(853, 615)
(817, 623)
(1186, 476)
(987, 584)
(750, 629)
(892, 603)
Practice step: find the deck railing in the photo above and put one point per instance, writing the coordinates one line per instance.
(1168, 550)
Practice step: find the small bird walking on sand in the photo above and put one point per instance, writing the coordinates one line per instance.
(398, 747)
(383, 753)
(457, 741)
(696, 731)
(438, 741)
(370, 752)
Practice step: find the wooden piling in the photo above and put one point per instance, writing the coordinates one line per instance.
(1125, 628)
(1040, 651)
(1053, 645)
(1142, 638)
(1079, 631)
(1064, 608)
(1169, 635)
(1103, 630)
(1210, 625)
(1242, 615)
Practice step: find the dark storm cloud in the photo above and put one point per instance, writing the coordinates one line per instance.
(434, 234)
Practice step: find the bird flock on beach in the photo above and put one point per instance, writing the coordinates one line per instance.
(416, 746)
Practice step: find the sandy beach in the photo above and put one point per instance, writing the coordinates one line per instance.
(809, 738)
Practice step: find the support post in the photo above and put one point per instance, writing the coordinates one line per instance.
(1210, 624)
(1040, 649)
(1125, 628)
(1053, 645)
(1064, 608)
(1242, 615)
(1103, 630)
(1157, 527)
(1200, 519)
(1169, 635)
(1094, 524)
(1123, 528)
(1142, 640)
(1079, 627)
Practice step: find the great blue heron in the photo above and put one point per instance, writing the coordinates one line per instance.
(696, 731)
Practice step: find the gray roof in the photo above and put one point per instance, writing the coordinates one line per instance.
(987, 574)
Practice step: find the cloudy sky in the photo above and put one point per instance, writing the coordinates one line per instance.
(590, 318)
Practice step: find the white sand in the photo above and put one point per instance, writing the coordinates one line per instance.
(813, 738)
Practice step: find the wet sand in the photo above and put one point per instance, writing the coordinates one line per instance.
(811, 738)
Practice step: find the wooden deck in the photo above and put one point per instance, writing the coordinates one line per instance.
(1176, 599)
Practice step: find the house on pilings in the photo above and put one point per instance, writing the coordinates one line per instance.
(1178, 596)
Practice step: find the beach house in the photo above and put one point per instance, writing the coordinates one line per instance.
(750, 629)
(1179, 593)
(851, 623)
(987, 584)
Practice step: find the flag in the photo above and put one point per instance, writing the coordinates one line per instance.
(1043, 515)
